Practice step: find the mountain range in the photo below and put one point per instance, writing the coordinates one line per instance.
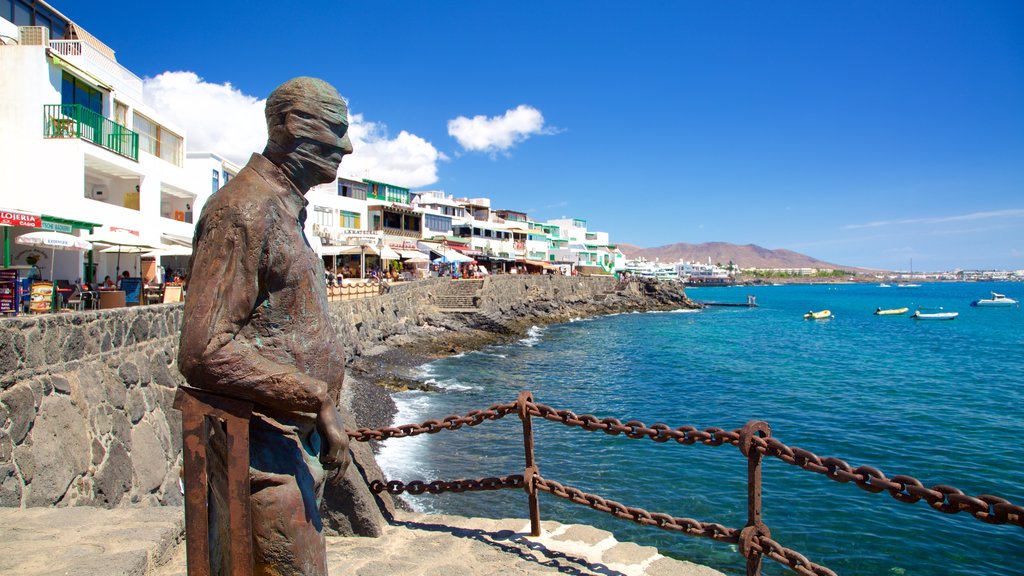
(748, 256)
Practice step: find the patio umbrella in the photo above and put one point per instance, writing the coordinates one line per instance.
(123, 241)
(169, 251)
(54, 240)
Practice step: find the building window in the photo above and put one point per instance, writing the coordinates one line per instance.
(216, 180)
(157, 140)
(228, 176)
(349, 220)
(324, 216)
(349, 189)
(439, 223)
(75, 91)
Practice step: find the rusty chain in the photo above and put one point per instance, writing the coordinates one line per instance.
(987, 508)
(948, 499)
(754, 541)
(639, 515)
(474, 418)
(796, 561)
(395, 487)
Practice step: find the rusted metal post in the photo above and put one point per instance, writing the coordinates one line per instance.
(755, 526)
(523, 407)
(196, 407)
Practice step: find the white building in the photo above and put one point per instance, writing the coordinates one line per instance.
(81, 149)
(337, 211)
(573, 244)
(440, 212)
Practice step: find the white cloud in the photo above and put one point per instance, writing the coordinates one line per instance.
(219, 118)
(216, 117)
(498, 133)
(406, 160)
(1011, 213)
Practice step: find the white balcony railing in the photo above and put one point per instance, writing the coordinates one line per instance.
(85, 56)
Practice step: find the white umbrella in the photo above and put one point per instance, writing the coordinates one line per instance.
(169, 251)
(54, 240)
(121, 240)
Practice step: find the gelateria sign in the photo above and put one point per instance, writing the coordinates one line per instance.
(12, 218)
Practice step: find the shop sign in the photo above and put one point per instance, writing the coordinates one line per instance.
(12, 218)
(57, 227)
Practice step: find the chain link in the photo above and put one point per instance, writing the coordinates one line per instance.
(948, 499)
(474, 418)
(639, 515)
(796, 561)
(395, 487)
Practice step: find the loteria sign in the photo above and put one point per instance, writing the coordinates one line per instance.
(12, 218)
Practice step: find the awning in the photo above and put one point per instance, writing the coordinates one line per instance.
(339, 250)
(468, 251)
(539, 263)
(167, 251)
(452, 257)
(175, 239)
(388, 253)
(413, 255)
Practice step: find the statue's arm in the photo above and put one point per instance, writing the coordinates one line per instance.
(223, 290)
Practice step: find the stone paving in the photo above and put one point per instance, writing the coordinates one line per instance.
(436, 545)
(87, 541)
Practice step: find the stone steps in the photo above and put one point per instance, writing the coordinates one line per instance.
(459, 295)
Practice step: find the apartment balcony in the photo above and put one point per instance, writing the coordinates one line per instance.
(77, 121)
(400, 232)
(100, 63)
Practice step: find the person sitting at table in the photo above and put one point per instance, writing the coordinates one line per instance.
(107, 284)
(124, 276)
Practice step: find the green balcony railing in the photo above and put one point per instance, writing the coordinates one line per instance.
(77, 121)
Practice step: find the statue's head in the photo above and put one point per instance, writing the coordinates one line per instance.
(307, 123)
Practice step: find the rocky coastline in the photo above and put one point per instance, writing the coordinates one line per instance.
(373, 374)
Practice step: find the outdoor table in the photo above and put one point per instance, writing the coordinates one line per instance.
(111, 299)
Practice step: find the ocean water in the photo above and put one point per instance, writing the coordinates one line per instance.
(940, 401)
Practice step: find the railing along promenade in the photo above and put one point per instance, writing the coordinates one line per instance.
(754, 441)
(356, 290)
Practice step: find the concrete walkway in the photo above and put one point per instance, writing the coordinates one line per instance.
(145, 542)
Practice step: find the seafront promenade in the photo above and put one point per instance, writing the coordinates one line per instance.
(86, 541)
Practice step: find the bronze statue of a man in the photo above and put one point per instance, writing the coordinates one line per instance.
(256, 327)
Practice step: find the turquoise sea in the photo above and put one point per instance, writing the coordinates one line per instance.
(940, 401)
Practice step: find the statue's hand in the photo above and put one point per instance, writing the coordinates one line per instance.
(334, 451)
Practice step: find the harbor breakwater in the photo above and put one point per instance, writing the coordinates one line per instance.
(85, 398)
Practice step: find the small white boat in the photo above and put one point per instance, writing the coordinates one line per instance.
(919, 315)
(822, 315)
(884, 285)
(996, 300)
(908, 285)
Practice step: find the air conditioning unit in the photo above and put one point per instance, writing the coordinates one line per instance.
(34, 35)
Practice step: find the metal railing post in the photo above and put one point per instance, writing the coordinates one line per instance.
(755, 526)
(523, 407)
(196, 406)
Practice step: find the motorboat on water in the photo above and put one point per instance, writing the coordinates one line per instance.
(940, 315)
(822, 315)
(884, 285)
(891, 311)
(908, 285)
(997, 300)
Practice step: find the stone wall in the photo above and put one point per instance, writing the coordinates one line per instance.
(85, 408)
(85, 398)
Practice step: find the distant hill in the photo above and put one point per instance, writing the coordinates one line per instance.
(749, 256)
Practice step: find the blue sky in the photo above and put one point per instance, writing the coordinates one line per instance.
(862, 133)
